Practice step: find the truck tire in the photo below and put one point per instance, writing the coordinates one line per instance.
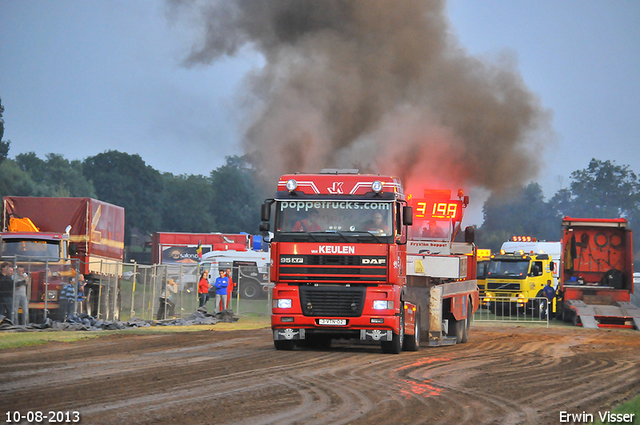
(412, 342)
(575, 319)
(395, 345)
(284, 345)
(456, 328)
(467, 324)
(460, 328)
(250, 290)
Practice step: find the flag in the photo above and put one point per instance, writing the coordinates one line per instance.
(199, 249)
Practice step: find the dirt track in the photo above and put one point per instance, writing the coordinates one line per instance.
(502, 376)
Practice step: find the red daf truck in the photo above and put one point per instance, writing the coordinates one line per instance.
(597, 273)
(56, 238)
(346, 266)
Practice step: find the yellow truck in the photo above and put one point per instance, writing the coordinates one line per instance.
(514, 283)
(482, 263)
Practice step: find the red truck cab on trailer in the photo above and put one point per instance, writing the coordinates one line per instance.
(56, 238)
(597, 273)
(339, 263)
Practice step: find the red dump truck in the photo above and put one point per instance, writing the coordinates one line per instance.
(56, 238)
(597, 273)
(346, 265)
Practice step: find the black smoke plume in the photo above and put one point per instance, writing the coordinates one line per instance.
(379, 83)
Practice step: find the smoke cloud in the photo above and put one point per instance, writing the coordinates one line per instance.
(380, 85)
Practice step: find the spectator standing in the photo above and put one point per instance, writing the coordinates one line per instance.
(221, 284)
(71, 293)
(229, 288)
(20, 300)
(167, 307)
(203, 289)
(6, 290)
(550, 294)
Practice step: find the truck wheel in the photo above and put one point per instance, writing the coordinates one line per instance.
(412, 342)
(559, 311)
(467, 324)
(395, 345)
(566, 314)
(284, 345)
(575, 319)
(250, 291)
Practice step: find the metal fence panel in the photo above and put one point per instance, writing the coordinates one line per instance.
(508, 309)
(125, 290)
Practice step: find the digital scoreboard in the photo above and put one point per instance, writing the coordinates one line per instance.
(437, 209)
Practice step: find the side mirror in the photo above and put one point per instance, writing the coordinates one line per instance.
(73, 248)
(266, 211)
(407, 216)
(552, 265)
(264, 226)
(469, 234)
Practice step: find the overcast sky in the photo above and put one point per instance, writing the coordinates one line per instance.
(82, 77)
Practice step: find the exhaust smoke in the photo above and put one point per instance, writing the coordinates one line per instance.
(382, 86)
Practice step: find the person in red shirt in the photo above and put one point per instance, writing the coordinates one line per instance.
(203, 289)
(309, 224)
(229, 288)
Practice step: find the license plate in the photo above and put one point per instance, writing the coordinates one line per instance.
(334, 322)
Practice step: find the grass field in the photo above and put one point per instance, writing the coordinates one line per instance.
(14, 339)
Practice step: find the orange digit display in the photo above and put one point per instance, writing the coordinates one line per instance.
(421, 209)
(440, 210)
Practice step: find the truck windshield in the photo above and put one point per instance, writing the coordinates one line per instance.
(36, 250)
(323, 220)
(481, 269)
(508, 268)
(430, 229)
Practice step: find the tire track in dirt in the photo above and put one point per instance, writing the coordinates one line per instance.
(500, 376)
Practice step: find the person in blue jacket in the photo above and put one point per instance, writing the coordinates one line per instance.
(71, 293)
(550, 293)
(221, 284)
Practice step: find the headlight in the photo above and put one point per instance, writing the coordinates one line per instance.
(376, 186)
(382, 305)
(283, 303)
(291, 185)
(52, 295)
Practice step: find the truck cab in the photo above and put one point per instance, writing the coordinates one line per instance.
(514, 279)
(44, 257)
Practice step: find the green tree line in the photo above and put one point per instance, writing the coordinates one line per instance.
(602, 190)
(228, 200)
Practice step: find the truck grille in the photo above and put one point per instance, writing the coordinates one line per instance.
(332, 300)
(503, 286)
(333, 268)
